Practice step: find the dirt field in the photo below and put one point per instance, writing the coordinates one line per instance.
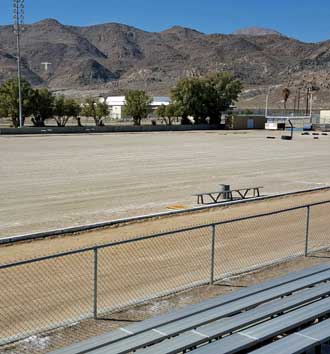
(49, 182)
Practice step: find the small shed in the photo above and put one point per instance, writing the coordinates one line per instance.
(244, 122)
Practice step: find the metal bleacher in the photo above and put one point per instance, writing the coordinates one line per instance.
(300, 342)
(295, 306)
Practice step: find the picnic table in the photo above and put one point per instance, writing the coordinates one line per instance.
(228, 195)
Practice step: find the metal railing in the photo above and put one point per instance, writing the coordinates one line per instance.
(56, 290)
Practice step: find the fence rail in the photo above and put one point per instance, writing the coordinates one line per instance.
(52, 291)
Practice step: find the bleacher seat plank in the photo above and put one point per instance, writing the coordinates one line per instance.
(299, 342)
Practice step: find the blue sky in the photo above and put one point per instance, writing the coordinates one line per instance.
(303, 19)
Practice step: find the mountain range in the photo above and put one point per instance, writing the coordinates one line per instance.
(111, 58)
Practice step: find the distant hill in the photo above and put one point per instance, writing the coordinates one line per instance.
(111, 58)
(257, 31)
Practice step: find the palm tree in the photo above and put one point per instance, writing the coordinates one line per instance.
(286, 94)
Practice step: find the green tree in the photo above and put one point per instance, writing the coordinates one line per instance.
(161, 112)
(64, 109)
(222, 90)
(43, 107)
(205, 97)
(72, 109)
(167, 113)
(137, 105)
(9, 101)
(97, 110)
(189, 97)
(286, 94)
(172, 111)
(59, 111)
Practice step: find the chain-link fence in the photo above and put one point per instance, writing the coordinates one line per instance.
(54, 291)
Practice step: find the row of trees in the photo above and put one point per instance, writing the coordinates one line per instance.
(41, 104)
(204, 99)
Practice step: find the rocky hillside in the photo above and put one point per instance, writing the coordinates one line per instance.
(111, 58)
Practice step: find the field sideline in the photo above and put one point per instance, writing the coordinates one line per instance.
(42, 247)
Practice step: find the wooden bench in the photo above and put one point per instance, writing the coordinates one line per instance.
(230, 195)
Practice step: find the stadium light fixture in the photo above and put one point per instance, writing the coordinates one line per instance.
(18, 9)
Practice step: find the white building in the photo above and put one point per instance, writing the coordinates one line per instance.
(159, 101)
(117, 103)
(325, 117)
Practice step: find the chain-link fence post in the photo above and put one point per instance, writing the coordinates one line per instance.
(212, 254)
(95, 279)
(307, 230)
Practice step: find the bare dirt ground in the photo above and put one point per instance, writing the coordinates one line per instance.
(49, 182)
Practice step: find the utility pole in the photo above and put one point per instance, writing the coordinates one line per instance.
(298, 106)
(307, 100)
(267, 103)
(46, 66)
(18, 28)
(311, 107)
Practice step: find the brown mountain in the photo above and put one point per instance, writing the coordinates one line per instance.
(111, 58)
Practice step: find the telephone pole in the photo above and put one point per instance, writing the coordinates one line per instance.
(18, 28)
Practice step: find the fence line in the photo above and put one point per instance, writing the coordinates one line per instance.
(70, 230)
(166, 233)
(51, 291)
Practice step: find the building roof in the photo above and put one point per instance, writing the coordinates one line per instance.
(115, 100)
(158, 101)
(120, 101)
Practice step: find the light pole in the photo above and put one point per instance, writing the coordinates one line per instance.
(18, 28)
(267, 102)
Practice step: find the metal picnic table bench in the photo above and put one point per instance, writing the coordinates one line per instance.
(241, 193)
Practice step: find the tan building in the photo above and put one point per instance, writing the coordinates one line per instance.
(245, 122)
